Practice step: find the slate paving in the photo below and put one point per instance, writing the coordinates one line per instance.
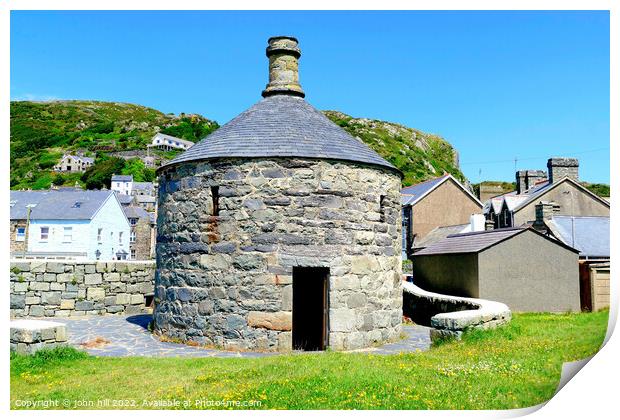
(129, 336)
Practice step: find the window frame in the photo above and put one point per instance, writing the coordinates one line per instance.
(64, 234)
(47, 234)
(20, 237)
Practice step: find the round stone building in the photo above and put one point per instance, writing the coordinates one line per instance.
(279, 230)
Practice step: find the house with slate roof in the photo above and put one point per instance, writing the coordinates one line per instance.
(166, 142)
(441, 201)
(561, 187)
(68, 224)
(525, 269)
(74, 163)
(122, 184)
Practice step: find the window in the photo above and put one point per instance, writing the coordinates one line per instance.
(45, 233)
(118, 184)
(133, 221)
(382, 208)
(132, 236)
(215, 197)
(67, 234)
(120, 238)
(20, 234)
(99, 234)
(133, 254)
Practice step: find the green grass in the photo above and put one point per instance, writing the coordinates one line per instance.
(514, 366)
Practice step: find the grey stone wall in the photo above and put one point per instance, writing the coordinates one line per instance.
(226, 280)
(70, 288)
(563, 167)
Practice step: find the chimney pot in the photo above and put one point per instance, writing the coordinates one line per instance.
(283, 53)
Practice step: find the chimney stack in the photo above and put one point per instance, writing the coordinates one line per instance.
(544, 212)
(563, 167)
(526, 179)
(283, 53)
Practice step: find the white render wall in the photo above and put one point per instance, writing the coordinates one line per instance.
(109, 217)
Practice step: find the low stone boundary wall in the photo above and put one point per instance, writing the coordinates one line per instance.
(30, 335)
(72, 288)
(449, 316)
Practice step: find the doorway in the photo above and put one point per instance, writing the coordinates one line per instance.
(310, 308)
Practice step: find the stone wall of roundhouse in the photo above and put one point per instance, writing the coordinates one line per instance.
(226, 280)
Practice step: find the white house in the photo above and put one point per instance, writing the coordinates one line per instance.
(73, 224)
(122, 184)
(74, 163)
(166, 142)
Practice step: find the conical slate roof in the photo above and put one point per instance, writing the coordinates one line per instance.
(281, 126)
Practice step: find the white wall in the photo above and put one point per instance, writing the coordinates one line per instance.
(110, 218)
(122, 187)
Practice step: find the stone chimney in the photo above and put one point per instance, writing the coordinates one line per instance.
(545, 210)
(563, 167)
(283, 53)
(526, 179)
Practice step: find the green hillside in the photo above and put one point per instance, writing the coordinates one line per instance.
(42, 131)
(419, 155)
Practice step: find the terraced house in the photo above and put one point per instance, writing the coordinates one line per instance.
(68, 224)
(560, 187)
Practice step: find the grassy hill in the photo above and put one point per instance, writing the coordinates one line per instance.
(42, 131)
(419, 155)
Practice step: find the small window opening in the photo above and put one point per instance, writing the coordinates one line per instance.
(382, 208)
(215, 197)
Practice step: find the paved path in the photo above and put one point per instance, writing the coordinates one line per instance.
(128, 336)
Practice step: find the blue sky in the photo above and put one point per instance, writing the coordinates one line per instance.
(497, 85)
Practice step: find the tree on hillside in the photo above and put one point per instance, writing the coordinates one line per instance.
(138, 170)
(99, 175)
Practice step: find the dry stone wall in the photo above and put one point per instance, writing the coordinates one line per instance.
(226, 280)
(70, 288)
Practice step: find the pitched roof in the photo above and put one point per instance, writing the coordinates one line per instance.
(135, 212)
(439, 233)
(466, 243)
(414, 193)
(538, 190)
(57, 205)
(122, 178)
(281, 126)
(513, 201)
(474, 242)
(172, 138)
(124, 199)
(591, 234)
(145, 199)
(143, 186)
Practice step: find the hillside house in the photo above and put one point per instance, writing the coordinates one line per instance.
(167, 142)
(524, 269)
(441, 201)
(561, 187)
(68, 224)
(122, 184)
(74, 163)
